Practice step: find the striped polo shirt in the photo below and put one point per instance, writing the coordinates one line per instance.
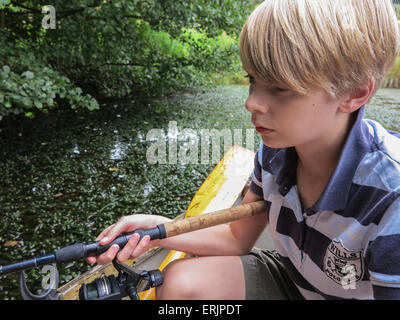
(347, 245)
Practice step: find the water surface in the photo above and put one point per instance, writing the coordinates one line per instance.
(65, 177)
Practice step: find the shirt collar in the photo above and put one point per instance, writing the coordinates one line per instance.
(335, 196)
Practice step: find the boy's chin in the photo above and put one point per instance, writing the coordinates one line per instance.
(274, 144)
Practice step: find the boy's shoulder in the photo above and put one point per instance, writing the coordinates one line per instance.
(387, 141)
(370, 157)
(380, 166)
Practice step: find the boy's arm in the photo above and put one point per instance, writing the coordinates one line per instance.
(247, 231)
(382, 255)
(236, 238)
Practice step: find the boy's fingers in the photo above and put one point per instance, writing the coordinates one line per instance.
(141, 247)
(92, 260)
(109, 255)
(104, 232)
(121, 226)
(125, 253)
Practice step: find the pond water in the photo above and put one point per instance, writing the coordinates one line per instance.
(65, 177)
(385, 108)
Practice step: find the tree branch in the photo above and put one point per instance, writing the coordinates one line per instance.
(122, 64)
(61, 14)
(67, 13)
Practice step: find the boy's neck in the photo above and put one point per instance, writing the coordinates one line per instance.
(319, 159)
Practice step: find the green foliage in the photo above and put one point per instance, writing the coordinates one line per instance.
(4, 3)
(217, 50)
(113, 49)
(27, 84)
(397, 9)
(395, 72)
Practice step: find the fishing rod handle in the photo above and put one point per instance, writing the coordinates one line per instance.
(169, 229)
(83, 250)
(79, 251)
(174, 228)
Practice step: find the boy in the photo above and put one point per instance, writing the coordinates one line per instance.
(330, 180)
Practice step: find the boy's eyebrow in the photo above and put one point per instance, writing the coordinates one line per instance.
(273, 86)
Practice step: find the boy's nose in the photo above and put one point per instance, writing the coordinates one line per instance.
(254, 105)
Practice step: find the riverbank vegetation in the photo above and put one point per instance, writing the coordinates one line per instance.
(112, 49)
(102, 49)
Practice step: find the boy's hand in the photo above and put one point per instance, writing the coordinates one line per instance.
(134, 248)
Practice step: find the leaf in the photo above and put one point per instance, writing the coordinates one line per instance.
(29, 75)
(113, 169)
(38, 104)
(10, 243)
(26, 102)
(3, 3)
(6, 69)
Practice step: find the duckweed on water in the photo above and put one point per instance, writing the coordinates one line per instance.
(67, 176)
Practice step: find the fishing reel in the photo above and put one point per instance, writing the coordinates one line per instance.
(127, 283)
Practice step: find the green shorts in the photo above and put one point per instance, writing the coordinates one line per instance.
(266, 277)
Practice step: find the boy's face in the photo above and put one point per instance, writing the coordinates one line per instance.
(287, 119)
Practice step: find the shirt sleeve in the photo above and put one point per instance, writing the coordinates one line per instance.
(256, 177)
(383, 257)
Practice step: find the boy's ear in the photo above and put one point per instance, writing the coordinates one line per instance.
(357, 98)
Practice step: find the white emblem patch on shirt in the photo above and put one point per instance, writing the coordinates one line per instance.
(343, 266)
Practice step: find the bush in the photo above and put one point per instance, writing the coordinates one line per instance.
(113, 49)
(26, 85)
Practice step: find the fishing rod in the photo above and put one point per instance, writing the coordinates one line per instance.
(80, 251)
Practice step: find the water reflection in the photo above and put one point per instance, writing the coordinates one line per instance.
(147, 189)
(118, 151)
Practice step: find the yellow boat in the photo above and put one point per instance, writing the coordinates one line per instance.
(223, 188)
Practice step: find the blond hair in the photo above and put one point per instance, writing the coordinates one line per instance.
(312, 44)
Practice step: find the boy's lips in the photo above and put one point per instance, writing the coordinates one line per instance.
(262, 130)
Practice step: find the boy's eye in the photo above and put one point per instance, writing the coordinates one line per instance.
(282, 90)
(251, 78)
